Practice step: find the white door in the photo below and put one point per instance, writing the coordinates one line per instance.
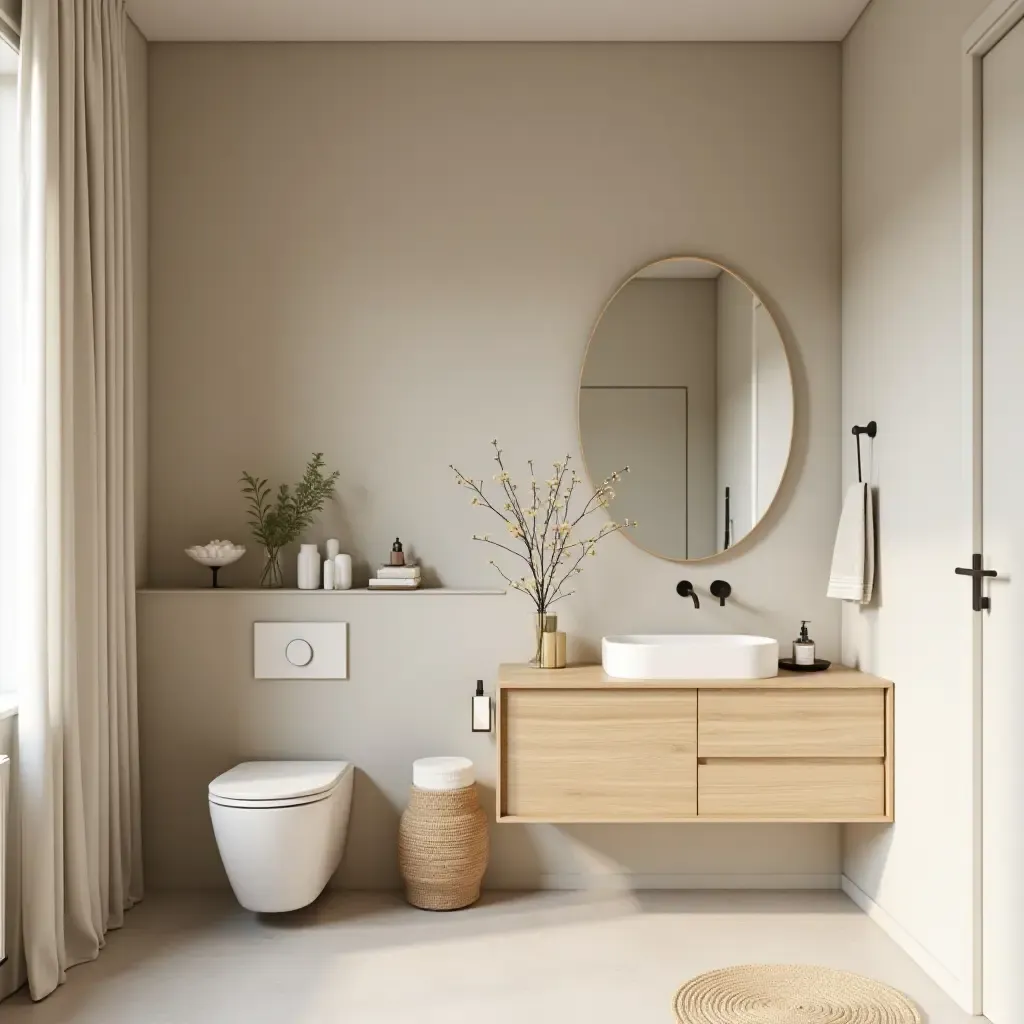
(1003, 529)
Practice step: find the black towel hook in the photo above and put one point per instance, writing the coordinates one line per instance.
(871, 430)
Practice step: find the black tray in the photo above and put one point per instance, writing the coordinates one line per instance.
(791, 666)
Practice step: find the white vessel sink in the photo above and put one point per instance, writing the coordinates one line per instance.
(690, 656)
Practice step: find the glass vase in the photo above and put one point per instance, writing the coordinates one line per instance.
(538, 624)
(272, 575)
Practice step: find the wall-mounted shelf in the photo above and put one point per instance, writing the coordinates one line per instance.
(380, 595)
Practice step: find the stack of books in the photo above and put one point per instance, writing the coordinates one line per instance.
(396, 577)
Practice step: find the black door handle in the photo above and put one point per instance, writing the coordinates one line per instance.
(977, 573)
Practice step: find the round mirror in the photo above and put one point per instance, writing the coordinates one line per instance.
(687, 382)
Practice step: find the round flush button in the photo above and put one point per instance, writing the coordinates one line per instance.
(299, 653)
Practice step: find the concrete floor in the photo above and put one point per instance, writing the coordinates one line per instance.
(367, 958)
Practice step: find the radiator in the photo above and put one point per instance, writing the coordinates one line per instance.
(5, 802)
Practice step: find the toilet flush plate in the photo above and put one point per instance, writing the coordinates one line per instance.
(300, 650)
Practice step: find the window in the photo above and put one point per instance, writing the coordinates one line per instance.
(10, 287)
(8, 186)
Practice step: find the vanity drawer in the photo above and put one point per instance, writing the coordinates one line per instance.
(791, 723)
(609, 755)
(822, 790)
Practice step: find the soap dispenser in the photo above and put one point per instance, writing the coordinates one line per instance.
(397, 554)
(803, 646)
(481, 709)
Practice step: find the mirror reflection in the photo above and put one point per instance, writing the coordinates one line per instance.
(686, 381)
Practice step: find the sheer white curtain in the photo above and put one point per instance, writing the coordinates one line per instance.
(66, 460)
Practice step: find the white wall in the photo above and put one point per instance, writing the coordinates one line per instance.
(903, 366)
(658, 332)
(395, 253)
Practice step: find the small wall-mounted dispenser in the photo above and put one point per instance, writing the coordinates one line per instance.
(481, 709)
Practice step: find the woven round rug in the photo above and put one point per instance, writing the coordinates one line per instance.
(779, 994)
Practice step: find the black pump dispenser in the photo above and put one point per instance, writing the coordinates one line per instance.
(803, 646)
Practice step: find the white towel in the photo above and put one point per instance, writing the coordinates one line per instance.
(853, 561)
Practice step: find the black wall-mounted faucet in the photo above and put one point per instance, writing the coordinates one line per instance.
(721, 590)
(685, 589)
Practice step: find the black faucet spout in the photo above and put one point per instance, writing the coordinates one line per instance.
(685, 589)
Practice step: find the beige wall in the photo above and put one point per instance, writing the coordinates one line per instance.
(413, 661)
(656, 333)
(10, 14)
(903, 363)
(395, 253)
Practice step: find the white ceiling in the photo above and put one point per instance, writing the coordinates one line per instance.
(497, 20)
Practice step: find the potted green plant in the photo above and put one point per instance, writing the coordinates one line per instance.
(279, 522)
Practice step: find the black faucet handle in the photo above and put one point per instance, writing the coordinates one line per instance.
(721, 590)
(685, 589)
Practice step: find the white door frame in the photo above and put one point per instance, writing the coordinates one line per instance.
(996, 21)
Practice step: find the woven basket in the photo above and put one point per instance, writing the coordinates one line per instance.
(443, 847)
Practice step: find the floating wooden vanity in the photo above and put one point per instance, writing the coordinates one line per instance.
(576, 745)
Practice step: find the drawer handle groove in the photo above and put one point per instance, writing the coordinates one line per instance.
(790, 760)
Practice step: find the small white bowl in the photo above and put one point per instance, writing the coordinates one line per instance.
(215, 555)
(215, 561)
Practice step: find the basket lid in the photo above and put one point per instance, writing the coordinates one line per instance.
(442, 773)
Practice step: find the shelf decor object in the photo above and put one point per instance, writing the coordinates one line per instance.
(277, 522)
(544, 530)
(215, 556)
(443, 843)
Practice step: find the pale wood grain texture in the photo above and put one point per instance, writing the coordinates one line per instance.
(825, 790)
(890, 753)
(791, 723)
(593, 677)
(613, 755)
(796, 748)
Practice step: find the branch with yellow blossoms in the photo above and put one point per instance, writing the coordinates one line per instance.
(541, 527)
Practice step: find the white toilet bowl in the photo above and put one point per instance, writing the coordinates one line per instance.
(281, 828)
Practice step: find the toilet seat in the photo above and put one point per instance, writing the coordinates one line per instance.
(270, 784)
(280, 828)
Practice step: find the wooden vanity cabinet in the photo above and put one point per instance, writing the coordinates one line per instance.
(600, 754)
(577, 746)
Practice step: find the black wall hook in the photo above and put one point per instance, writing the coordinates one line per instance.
(872, 431)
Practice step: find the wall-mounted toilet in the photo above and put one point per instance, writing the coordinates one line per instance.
(281, 829)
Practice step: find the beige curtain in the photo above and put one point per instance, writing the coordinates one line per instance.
(68, 606)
